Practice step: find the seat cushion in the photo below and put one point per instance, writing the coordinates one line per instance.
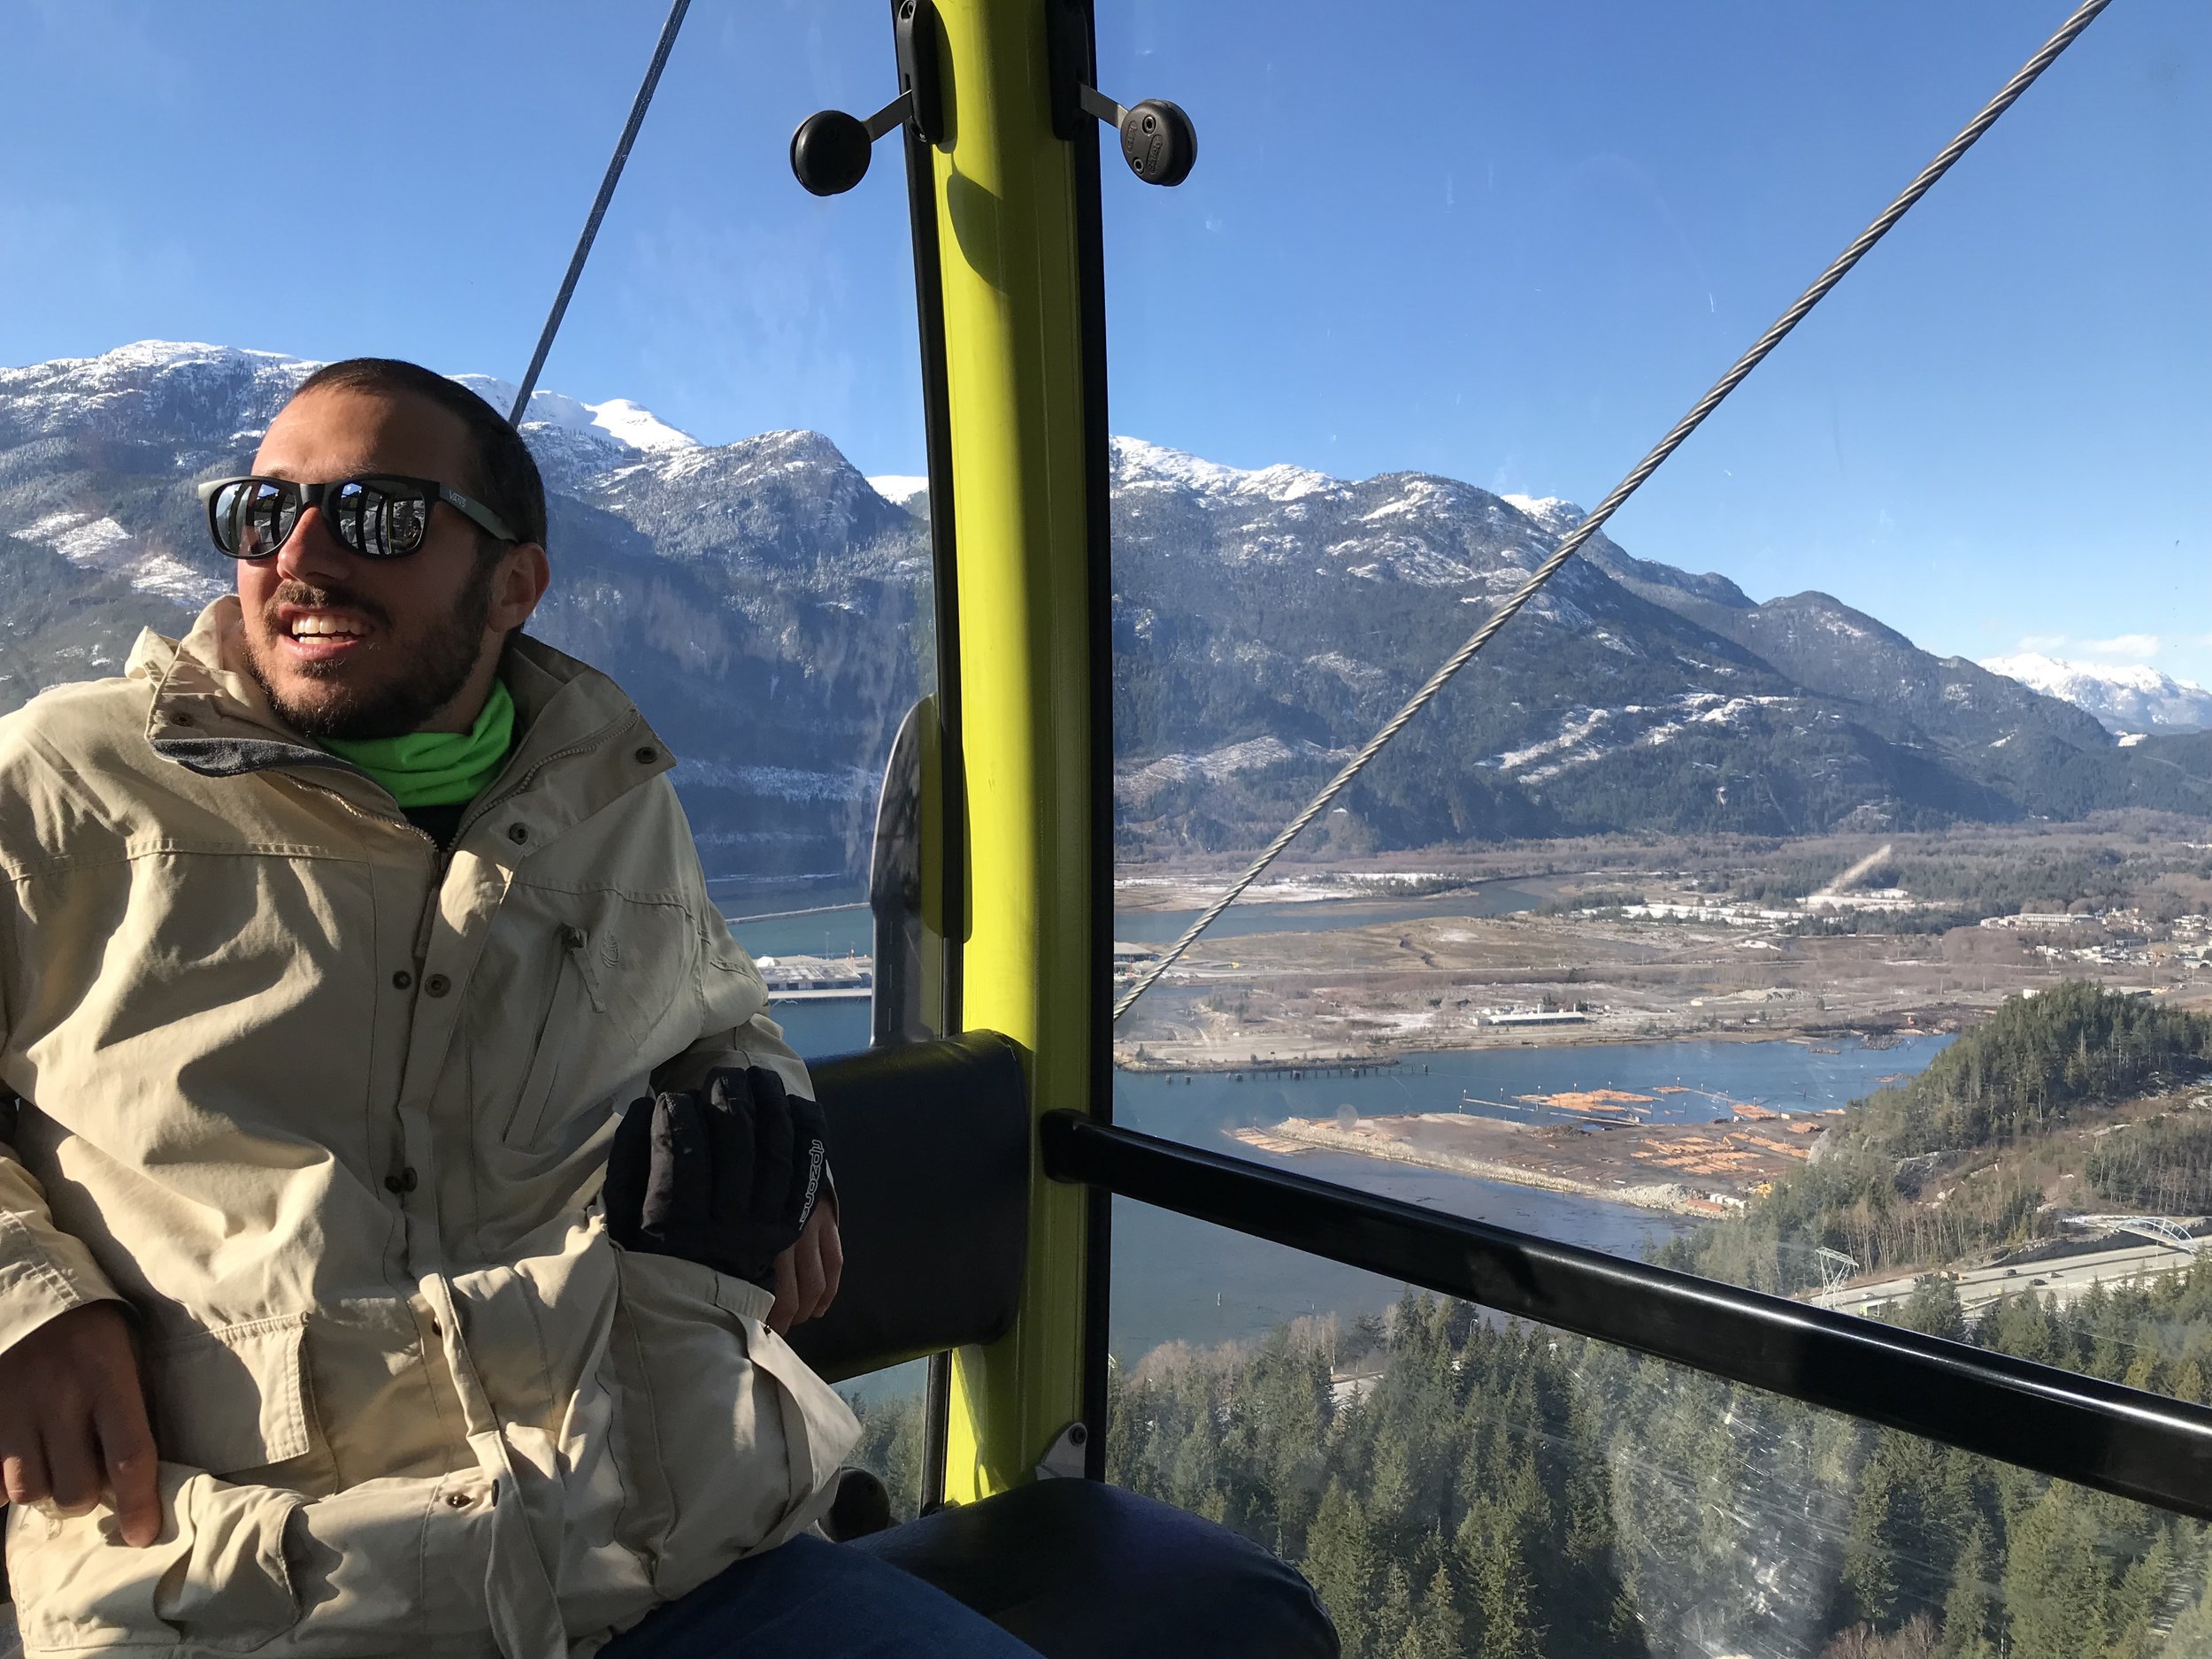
(1082, 1571)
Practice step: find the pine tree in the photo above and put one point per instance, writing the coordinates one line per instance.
(2056, 1588)
(1394, 1611)
(1970, 1610)
(1340, 1564)
(2140, 1597)
(1500, 1581)
(1438, 1632)
(1867, 1587)
(2188, 1382)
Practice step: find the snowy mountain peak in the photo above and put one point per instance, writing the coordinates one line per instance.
(899, 489)
(142, 357)
(2129, 698)
(178, 378)
(618, 419)
(1136, 462)
(1555, 515)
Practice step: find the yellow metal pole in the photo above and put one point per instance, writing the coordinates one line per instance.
(1007, 232)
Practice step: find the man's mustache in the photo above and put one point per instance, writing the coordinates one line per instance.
(295, 593)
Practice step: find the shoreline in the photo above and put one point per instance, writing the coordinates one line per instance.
(1298, 1135)
(1413, 1044)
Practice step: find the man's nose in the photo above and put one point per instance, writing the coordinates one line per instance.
(311, 552)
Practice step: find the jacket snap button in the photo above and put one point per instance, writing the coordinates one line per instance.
(457, 1499)
(179, 719)
(518, 832)
(647, 755)
(405, 1181)
(437, 985)
(402, 979)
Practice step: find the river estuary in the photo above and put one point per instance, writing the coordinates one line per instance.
(1176, 1280)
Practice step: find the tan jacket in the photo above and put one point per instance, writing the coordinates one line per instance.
(330, 1112)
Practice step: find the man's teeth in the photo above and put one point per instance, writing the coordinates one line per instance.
(324, 626)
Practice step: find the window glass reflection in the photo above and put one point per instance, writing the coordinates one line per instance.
(1809, 889)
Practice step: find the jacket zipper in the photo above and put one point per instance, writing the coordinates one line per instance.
(441, 856)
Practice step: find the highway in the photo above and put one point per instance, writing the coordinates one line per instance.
(2065, 1278)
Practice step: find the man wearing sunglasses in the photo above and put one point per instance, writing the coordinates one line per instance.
(339, 931)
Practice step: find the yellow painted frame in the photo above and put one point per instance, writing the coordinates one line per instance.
(1015, 401)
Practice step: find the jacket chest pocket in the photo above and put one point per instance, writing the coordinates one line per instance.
(607, 982)
(573, 998)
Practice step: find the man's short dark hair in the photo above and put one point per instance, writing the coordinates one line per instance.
(507, 479)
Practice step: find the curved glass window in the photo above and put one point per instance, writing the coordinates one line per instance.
(1809, 888)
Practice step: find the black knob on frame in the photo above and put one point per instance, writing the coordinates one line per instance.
(1158, 142)
(829, 152)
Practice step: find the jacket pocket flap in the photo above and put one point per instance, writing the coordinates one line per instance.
(232, 1398)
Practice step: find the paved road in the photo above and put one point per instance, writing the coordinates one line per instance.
(2065, 1278)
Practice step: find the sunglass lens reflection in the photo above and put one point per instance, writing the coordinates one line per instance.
(256, 518)
(380, 524)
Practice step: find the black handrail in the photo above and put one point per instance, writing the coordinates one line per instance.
(2078, 1428)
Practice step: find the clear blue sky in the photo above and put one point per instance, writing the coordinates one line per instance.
(1509, 244)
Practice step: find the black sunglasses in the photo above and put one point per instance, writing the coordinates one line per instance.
(378, 517)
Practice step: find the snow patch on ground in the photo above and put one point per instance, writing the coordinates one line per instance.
(1135, 784)
(99, 543)
(80, 538)
(1591, 733)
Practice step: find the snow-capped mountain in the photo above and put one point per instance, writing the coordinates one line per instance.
(1280, 604)
(769, 610)
(2129, 698)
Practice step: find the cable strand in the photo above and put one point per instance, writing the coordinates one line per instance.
(1920, 185)
(621, 156)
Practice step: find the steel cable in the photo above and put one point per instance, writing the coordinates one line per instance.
(2006, 97)
(599, 207)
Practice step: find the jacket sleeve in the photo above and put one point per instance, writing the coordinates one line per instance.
(733, 1020)
(43, 1270)
(735, 1029)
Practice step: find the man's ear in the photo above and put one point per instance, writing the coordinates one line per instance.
(518, 585)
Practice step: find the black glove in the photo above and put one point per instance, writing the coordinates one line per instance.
(726, 1178)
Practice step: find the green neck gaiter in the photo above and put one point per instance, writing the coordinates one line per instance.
(437, 768)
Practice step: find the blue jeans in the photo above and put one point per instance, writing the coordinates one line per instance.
(811, 1599)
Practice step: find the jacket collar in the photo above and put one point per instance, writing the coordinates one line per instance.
(580, 741)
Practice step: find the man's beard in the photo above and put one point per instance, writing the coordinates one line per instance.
(437, 666)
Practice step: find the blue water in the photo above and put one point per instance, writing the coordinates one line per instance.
(1178, 1280)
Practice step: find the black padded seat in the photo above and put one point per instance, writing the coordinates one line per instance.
(1079, 1570)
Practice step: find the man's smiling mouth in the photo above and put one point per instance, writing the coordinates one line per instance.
(315, 635)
